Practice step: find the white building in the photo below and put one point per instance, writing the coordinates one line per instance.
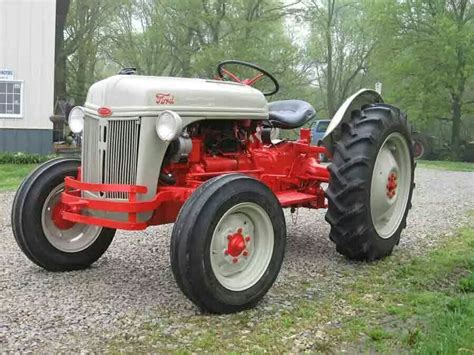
(27, 34)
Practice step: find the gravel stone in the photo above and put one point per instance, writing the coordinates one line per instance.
(132, 283)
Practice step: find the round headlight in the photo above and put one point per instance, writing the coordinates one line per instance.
(169, 125)
(76, 119)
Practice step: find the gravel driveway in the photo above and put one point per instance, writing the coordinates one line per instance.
(133, 282)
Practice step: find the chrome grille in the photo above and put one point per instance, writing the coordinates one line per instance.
(110, 152)
(90, 150)
(122, 154)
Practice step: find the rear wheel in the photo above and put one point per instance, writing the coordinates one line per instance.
(228, 244)
(39, 229)
(421, 148)
(371, 183)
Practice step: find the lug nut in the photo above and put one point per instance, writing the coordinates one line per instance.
(247, 239)
(245, 253)
(239, 231)
(235, 260)
(226, 252)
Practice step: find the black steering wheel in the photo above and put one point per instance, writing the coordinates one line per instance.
(222, 72)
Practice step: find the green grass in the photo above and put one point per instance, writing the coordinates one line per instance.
(422, 305)
(446, 165)
(11, 175)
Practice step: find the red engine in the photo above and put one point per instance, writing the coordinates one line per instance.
(291, 169)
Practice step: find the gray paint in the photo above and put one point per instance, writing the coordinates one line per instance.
(38, 141)
(27, 47)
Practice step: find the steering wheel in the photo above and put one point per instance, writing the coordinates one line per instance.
(221, 72)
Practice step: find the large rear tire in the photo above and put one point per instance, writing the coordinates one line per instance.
(371, 183)
(228, 244)
(43, 236)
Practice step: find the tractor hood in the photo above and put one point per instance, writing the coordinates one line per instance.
(135, 95)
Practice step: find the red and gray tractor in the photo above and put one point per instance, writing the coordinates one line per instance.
(203, 154)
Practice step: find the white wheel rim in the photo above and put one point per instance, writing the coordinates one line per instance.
(246, 230)
(390, 186)
(72, 240)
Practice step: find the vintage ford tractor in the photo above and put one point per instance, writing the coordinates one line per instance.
(202, 154)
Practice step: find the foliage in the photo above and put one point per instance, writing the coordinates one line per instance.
(321, 51)
(339, 47)
(23, 158)
(425, 57)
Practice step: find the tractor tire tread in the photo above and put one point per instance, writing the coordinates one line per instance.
(350, 179)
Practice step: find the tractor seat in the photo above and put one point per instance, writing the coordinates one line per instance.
(288, 114)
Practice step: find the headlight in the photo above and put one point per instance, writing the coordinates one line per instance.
(169, 125)
(76, 119)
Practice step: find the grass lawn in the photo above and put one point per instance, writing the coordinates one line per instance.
(11, 175)
(446, 165)
(422, 305)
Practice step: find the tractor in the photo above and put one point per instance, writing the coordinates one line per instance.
(203, 154)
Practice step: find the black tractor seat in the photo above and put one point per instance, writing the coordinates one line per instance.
(288, 114)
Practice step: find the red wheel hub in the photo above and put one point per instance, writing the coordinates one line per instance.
(392, 185)
(236, 245)
(57, 217)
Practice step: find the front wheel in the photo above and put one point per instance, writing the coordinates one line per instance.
(39, 229)
(228, 244)
(371, 183)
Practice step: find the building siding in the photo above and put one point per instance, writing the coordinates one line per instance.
(27, 29)
(37, 141)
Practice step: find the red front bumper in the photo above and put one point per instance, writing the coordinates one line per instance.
(76, 205)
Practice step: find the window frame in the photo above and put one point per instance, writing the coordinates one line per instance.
(15, 115)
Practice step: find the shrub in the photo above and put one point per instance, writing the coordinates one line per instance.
(24, 158)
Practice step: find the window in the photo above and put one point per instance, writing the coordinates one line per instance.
(322, 126)
(11, 98)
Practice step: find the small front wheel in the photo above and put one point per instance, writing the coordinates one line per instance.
(39, 229)
(228, 244)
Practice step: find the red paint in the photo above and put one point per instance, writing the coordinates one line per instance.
(290, 169)
(104, 111)
(392, 185)
(217, 163)
(75, 204)
(58, 219)
(164, 99)
(236, 244)
(305, 135)
(253, 80)
(232, 76)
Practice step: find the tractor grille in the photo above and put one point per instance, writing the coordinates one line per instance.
(110, 153)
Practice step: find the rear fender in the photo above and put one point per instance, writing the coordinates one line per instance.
(343, 114)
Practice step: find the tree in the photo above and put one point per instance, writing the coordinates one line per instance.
(86, 34)
(62, 8)
(338, 48)
(427, 57)
(188, 38)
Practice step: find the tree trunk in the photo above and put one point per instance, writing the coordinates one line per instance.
(330, 74)
(62, 8)
(330, 78)
(456, 126)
